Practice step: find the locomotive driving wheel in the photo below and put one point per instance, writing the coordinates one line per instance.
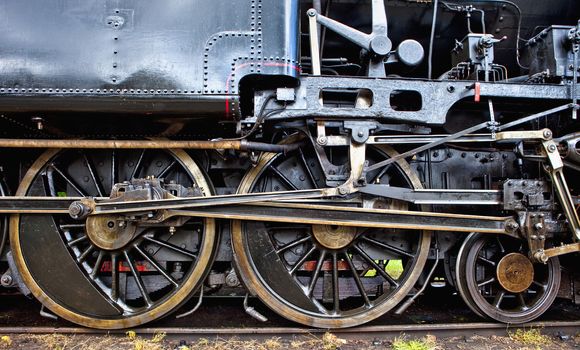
(103, 272)
(327, 276)
(497, 280)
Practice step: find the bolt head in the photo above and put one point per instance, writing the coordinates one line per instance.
(75, 209)
(6, 280)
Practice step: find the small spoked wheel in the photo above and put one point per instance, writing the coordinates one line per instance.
(105, 272)
(324, 275)
(497, 280)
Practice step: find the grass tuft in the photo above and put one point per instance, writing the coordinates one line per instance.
(532, 336)
(331, 341)
(426, 343)
(5, 341)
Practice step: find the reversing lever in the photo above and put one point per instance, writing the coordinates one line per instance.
(377, 43)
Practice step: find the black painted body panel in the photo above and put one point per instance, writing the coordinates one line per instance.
(121, 52)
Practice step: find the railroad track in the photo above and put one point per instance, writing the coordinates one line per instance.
(440, 330)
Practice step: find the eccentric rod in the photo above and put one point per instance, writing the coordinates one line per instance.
(241, 145)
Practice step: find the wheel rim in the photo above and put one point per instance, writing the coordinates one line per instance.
(483, 256)
(317, 282)
(124, 287)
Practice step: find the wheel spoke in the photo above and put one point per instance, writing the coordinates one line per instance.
(335, 286)
(172, 247)
(68, 180)
(69, 226)
(292, 244)
(156, 265)
(166, 169)
(114, 277)
(498, 299)
(98, 264)
(500, 245)
(93, 173)
(522, 302)
(379, 269)
(486, 282)
(77, 240)
(540, 285)
(486, 261)
(316, 273)
(283, 178)
(138, 279)
(138, 165)
(387, 247)
(86, 254)
(381, 173)
(357, 280)
(301, 261)
(307, 168)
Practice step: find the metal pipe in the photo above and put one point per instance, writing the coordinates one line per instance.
(242, 145)
(197, 305)
(412, 299)
(253, 312)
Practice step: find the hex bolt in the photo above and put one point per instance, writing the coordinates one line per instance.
(78, 210)
(511, 225)
(541, 256)
(538, 226)
(172, 230)
(39, 122)
(6, 280)
(75, 209)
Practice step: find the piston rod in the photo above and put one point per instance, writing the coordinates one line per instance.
(241, 145)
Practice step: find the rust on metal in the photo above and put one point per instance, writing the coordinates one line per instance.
(241, 145)
(515, 272)
(333, 236)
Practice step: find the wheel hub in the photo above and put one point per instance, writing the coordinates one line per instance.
(332, 236)
(108, 232)
(515, 272)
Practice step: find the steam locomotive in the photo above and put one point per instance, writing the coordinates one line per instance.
(330, 157)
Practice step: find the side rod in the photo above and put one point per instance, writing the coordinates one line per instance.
(355, 217)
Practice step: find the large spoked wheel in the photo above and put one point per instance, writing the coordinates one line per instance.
(327, 276)
(497, 280)
(130, 283)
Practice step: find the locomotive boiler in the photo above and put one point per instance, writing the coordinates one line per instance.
(329, 157)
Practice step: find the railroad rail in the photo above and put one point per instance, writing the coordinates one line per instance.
(441, 330)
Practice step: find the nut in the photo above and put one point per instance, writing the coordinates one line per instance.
(6, 280)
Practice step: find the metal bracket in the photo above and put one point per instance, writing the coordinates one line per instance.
(555, 170)
(535, 232)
